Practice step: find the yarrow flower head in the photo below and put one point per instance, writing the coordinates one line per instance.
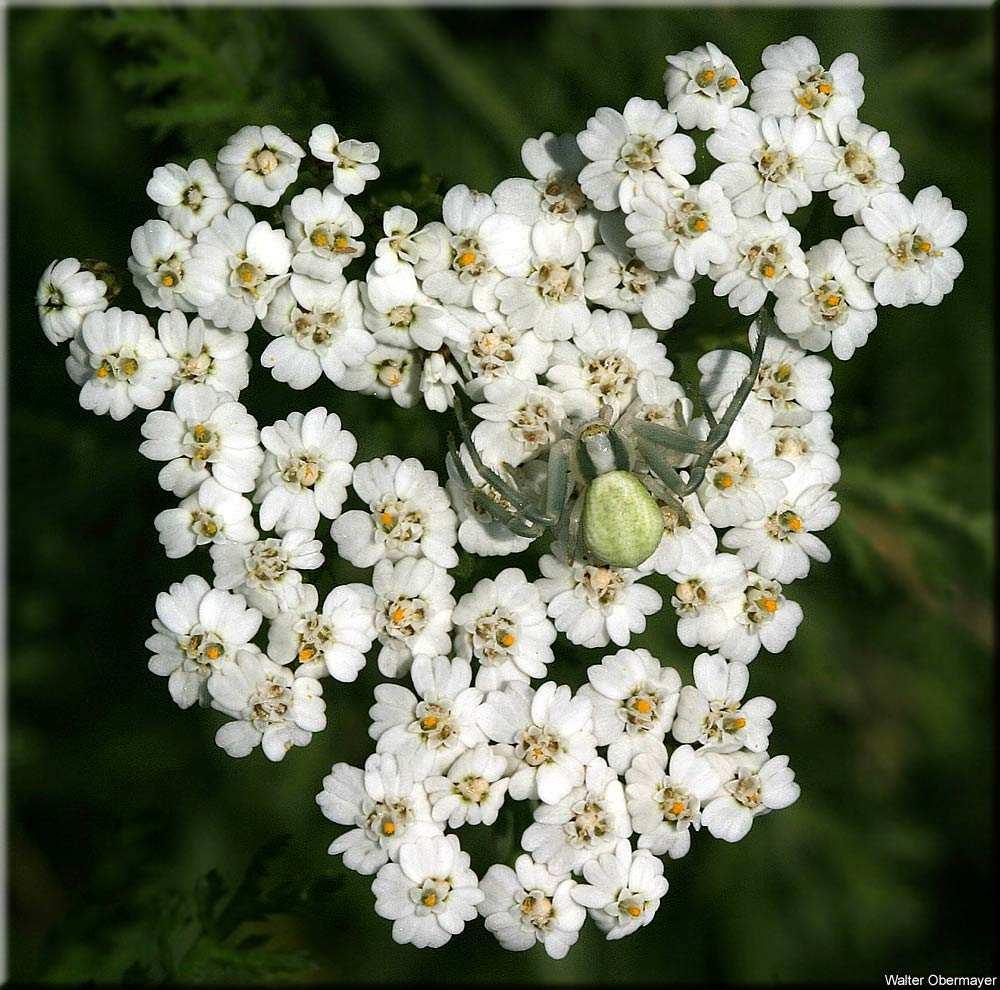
(544, 326)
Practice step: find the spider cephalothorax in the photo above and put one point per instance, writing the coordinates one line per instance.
(598, 498)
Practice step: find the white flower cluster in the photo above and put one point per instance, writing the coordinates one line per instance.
(543, 304)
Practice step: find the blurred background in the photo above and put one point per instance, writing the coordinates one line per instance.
(140, 852)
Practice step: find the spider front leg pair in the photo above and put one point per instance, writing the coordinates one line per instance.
(654, 441)
(518, 511)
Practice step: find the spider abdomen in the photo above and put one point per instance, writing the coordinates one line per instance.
(622, 524)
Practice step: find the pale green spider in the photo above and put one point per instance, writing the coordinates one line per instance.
(594, 501)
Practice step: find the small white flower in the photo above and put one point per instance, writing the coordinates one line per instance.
(413, 607)
(502, 624)
(478, 531)
(306, 470)
(270, 707)
(585, 823)
(767, 618)
(399, 246)
(267, 571)
(119, 363)
(765, 252)
(616, 278)
(702, 86)
(791, 385)
(322, 229)
(688, 540)
(623, 889)
(204, 354)
(388, 372)
(687, 231)
(594, 604)
(473, 791)
(319, 329)
(553, 193)
(810, 448)
(743, 479)
(771, 165)
(628, 147)
(196, 627)
(603, 364)
(713, 713)
(429, 730)
(519, 421)
(157, 263)
(707, 599)
(258, 164)
(795, 84)
(463, 258)
(212, 514)
(530, 904)
(780, 545)
(865, 165)
(66, 293)
(906, 249)
(429, 894)
(353, 161)
(666, 801)
(634, 700)
(332, 640)
(189, 199)
(545, 735)
(399, 314)
(408, 515)
(831, 304)
(206, 435)
(236, 266)
(752, 790)
(549, 299)
(385, 806)
(438, 378)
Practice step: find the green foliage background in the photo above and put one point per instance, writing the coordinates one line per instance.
(134, 840)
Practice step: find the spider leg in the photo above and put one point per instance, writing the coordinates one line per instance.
(557, 483)
(571, 536)
(508, 517)
(664, 470)
(664, 436)
(507, 490)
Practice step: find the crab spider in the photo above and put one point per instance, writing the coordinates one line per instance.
(594, 501)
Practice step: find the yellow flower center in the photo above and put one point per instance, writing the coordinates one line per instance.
(705, 77)
(428, 722)
(168, 280)
(465, 259)
(728, 83)
(507, 639)
(388, 828)
(769, 605)
(429, 899)
(306, 654)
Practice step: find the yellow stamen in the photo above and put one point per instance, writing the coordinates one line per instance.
(833, 300)
(507, 639)
(793, 522)
(387, 519)
(705, 77)
(677, 808)
(341, 243)
(769, 605)
(168, 280)
(428, 722)
(633, 910)
(429, 899)
(129, 366)
(465, 259)
(701, 225)
(319, 239)
(728, 83)
(213, 651)
(825, 88)
(103, 371)
(209, 528)
(737, 724)
(723, 481)
(767, 271)
(399, 615)
(245, 272)
(306, 654)
(919, 244)
(642, 705)
(200, 433)
(388, 828)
